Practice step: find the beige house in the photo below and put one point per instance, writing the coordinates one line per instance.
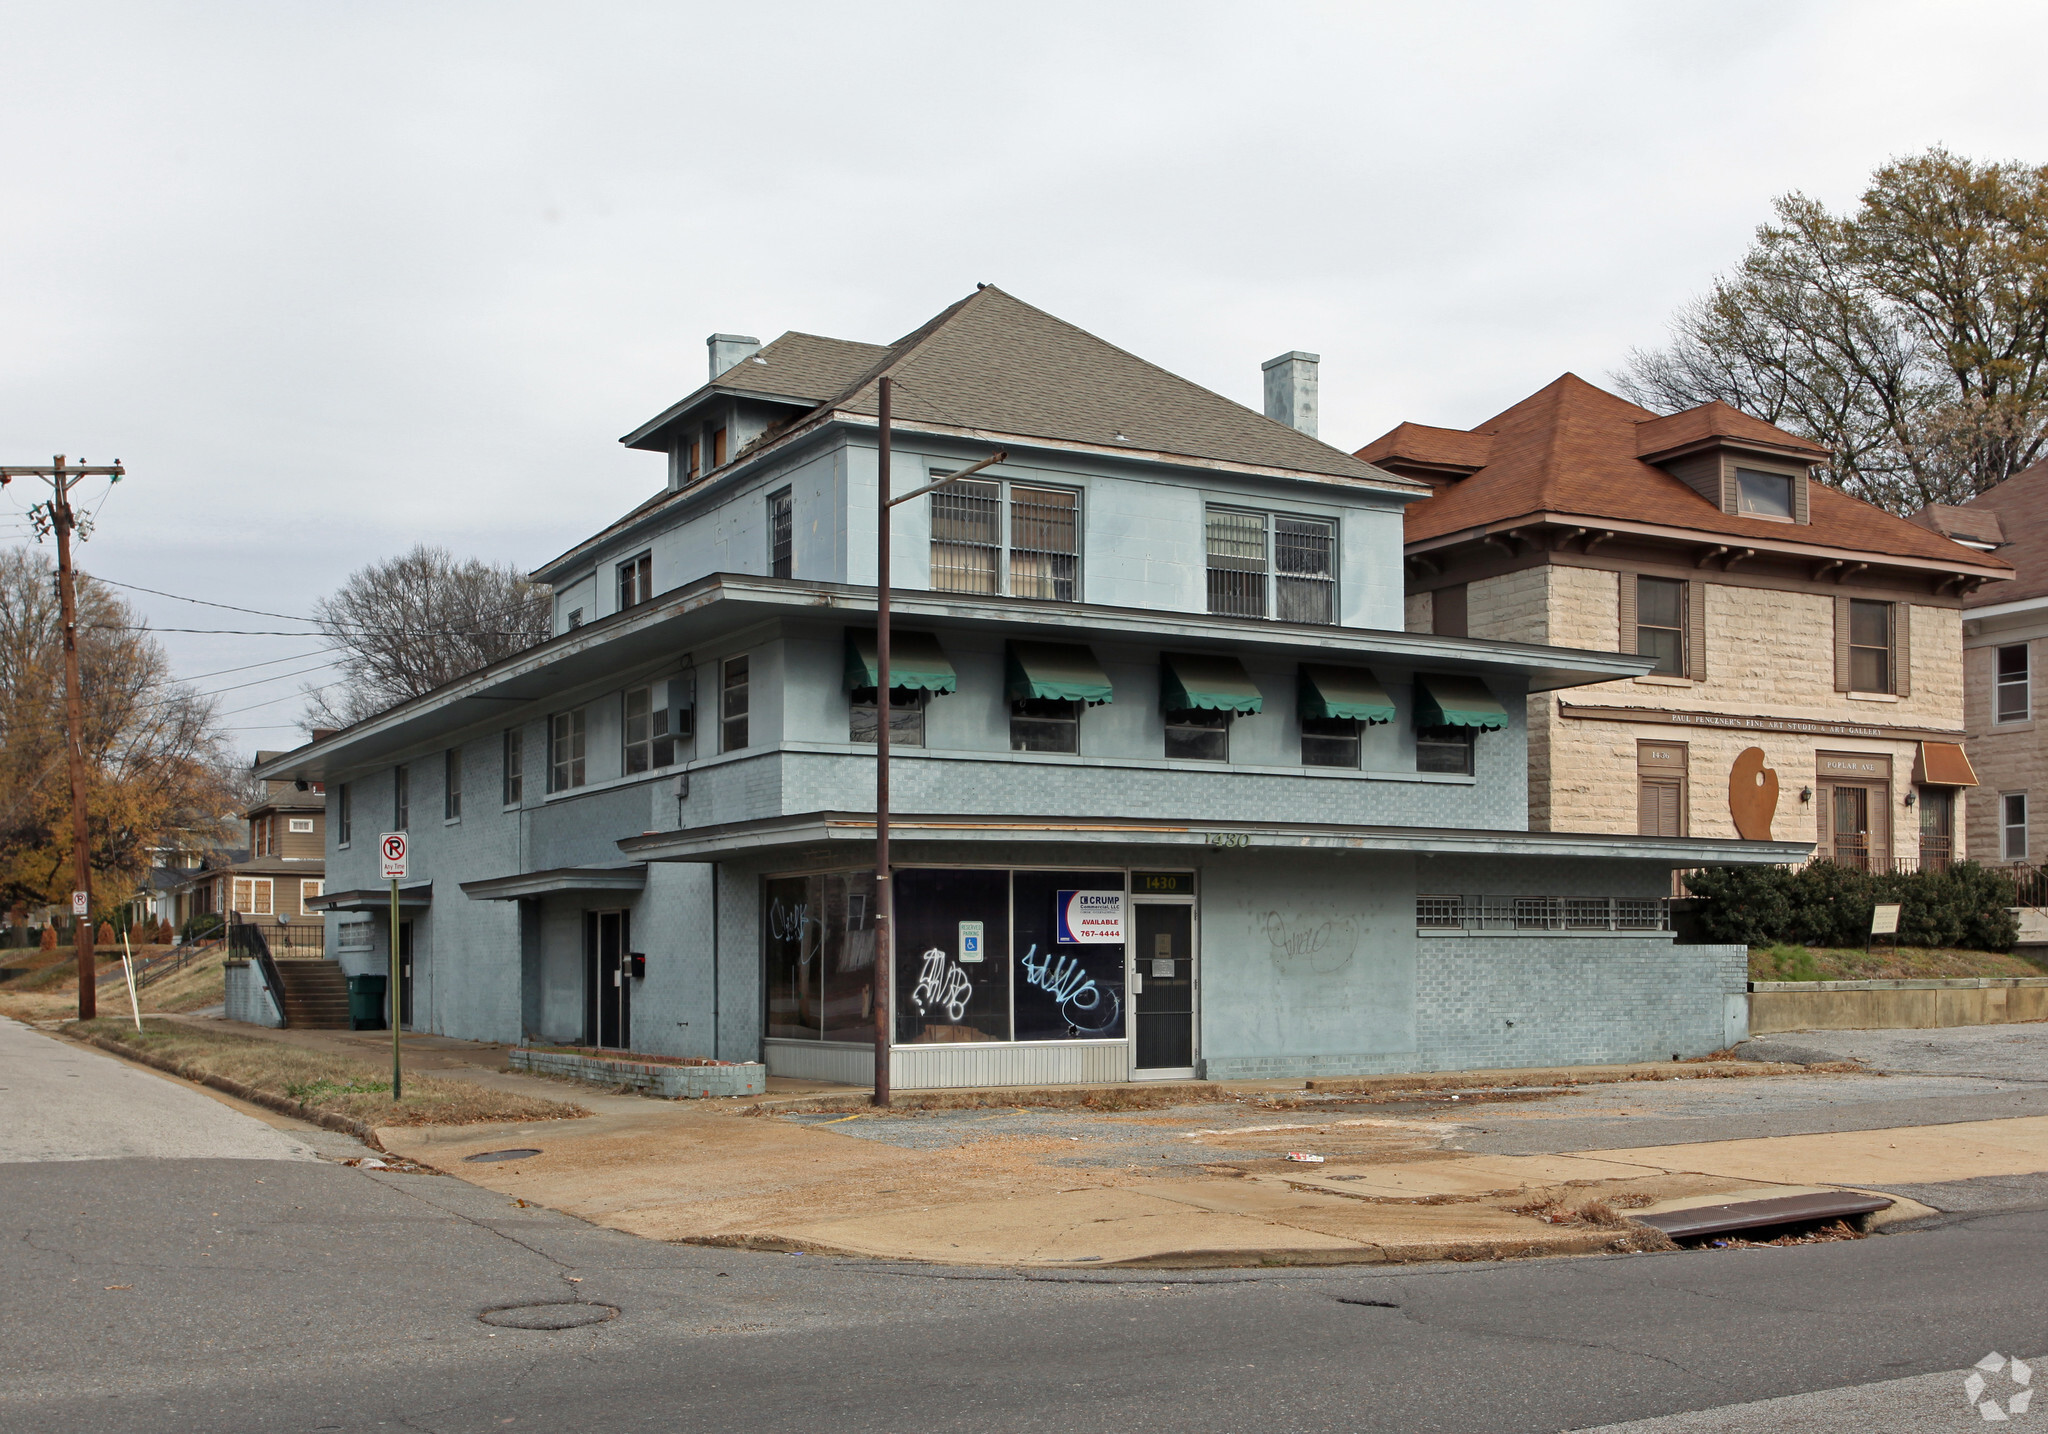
(1810, 681)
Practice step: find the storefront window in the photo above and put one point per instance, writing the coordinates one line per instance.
(1066, 991)
(952, 962)
(821, 957)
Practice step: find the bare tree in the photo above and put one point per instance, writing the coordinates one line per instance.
(1910, 336)
(412, 623)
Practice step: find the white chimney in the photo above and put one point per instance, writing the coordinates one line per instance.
(1291, 390)
(729, 349)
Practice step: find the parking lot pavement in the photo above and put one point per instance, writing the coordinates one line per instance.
(2004, 1053)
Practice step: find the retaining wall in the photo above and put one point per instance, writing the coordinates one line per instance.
(1895, 1005)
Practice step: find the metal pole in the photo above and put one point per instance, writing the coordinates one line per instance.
(884, 934)
(128, 969)
(81, 839)
(397, 1070)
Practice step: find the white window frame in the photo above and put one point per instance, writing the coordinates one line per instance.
(2024, 686)
(257, 885)
(656, 736)
(2010, 803)
(1742, 508)
(512, 776)
(311, 888)
(568, 750)
(451, 785)
(634, 577)
(1005, 544)
(782, 532)
(299, 826)
(344, 816)
(745, 716)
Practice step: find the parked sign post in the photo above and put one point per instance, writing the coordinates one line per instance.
(391, 849)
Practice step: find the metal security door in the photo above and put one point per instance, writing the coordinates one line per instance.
(1163, 988)
(608, 989)
(405, 974)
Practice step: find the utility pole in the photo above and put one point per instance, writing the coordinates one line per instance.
(885, 909)
(57, 516)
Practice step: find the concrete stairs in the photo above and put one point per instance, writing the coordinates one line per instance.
(315, 995)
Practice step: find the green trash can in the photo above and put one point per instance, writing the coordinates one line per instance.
(366, 1003)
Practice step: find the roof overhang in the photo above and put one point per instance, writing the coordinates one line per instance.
(1805, 455)
(677, 621)
(851, 832)
(1994, 571)
(560, 881)
(374, 898)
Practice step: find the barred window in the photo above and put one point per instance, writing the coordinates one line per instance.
(967, 538)
(1044, 543)
(906, 719)
(1286, 569)
(1304, 570)
(1237, 563)
(781, 521)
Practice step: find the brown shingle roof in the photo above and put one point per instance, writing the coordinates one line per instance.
(1675, 431)
(1571, 449)
(1420, 444)
(2021, 505)
(1965, 525)
(993, 362)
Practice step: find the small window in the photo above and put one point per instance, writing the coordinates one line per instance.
(1444, 752)
(513, 783)
(575, 618)
(733, 705)
(1329, 741)
(1870, 646)
(311, 891)
(649, 743)
(451, 785)
(566, 734)
(1237, 563)
(2012, 821)
(636, 581)
(1041, 724)
(1763, 495)
(781, 551)
(718, 448)
(401, 799)
(1660, 624)
(2015, 699)
(696, 454)
(301, 826)
(1198, 736)
(967, 538)
(343, 823)
(906, 719)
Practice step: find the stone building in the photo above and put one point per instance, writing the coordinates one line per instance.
(2005, 641)
(1174, 791)
(1807, 674)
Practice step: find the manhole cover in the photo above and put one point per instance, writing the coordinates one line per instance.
(564, 1314)
(499, 1155)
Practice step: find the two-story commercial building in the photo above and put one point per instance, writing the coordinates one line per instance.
(1174, 791)
(1806, 675)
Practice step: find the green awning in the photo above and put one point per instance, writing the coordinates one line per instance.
(916, 662)
(1343, 692)
(1206, 682)
(1442, 701)
(1058, 672)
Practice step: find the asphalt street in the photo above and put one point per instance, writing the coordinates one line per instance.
(231, 1276)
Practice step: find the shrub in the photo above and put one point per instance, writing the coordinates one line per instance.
(1825, 905)
(49, 942)
(105, 935)
(202, 927)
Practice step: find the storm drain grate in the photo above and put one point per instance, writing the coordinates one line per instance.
(490, 1155)
(552, 1314)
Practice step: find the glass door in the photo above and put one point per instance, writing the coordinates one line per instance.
(1163, 988)
(1852, 827)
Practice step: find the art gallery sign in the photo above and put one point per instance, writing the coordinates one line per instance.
(1740, 722)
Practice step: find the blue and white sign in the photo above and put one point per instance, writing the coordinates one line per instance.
(1090, 918)
(970, 941)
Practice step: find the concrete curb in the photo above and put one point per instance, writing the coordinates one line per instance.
(1118, 1096)
(1555, 1075)
(282, 1105)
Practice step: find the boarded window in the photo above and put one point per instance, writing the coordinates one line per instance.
(1447, 612)
(1661, 773)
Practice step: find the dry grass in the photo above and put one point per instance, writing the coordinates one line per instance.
(1908, 963)
(50, 992)
(337, 1085)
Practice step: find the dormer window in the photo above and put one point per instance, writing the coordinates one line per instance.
(1763, 495)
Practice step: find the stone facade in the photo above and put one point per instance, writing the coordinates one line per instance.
(2008, 756)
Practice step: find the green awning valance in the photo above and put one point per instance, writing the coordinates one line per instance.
(1343, 692)
(1206, 682)
(1442, 701)
(916, 662)
(1056, 671)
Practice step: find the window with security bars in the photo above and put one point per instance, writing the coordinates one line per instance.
(1285, 568)
(781, 523)
(1541, 913)
(999, 537)
(967, 538)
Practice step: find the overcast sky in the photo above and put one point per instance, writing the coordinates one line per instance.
(331, 279)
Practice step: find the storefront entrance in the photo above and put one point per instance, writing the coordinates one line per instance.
(1855, 809)
(607, 988)
(1163, 988)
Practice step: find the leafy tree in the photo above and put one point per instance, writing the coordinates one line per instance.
(1910, 335)
(412, 623)
(156, 773)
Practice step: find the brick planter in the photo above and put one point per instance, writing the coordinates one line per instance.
(658, 1078)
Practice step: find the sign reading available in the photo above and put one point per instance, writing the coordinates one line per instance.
(1090, 918)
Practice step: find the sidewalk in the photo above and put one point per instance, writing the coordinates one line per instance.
(1198, 1177)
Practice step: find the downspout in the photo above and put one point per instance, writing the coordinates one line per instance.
(714, 960)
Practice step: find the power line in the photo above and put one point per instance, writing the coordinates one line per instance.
(273, 662)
